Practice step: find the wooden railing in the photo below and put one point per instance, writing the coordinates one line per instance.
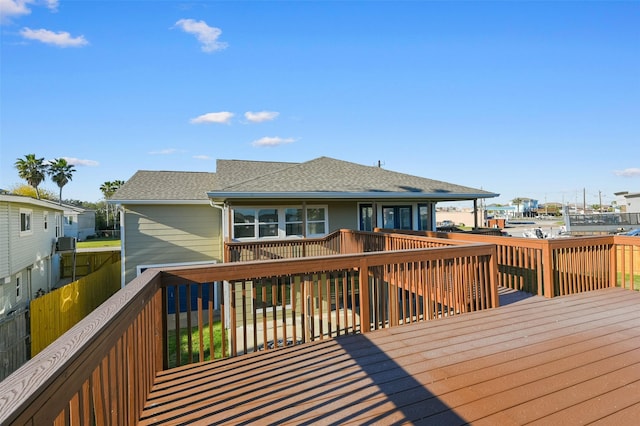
(343, 241)
(557, 267)
(98, 372)
(101, 370)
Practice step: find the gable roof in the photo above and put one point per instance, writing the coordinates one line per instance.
(166, 186)
(326, 177)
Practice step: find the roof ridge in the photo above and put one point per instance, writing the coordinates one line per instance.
(291, 165)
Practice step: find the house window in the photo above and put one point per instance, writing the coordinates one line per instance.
(316, 221)
(18, 287)
(25, 221)
(45, 220)
(58, 223)
(244, 223)
(366, 217)
(293, 222)
(424, 218)
(268, 222)
(279, 222)
(396, 217)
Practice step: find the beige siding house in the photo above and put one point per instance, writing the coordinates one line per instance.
(29, 229)
(173, 217)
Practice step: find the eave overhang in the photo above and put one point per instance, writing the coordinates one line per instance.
(443, 196)
(158, 202)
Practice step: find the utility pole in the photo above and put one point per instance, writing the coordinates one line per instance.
(600, 200)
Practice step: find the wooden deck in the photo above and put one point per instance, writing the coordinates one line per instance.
(567, 360)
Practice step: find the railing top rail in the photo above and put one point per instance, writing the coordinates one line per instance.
(280, 267)
(77, 351)
(514, 241)
(296, 240)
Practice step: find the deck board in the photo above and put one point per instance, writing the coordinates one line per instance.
(572, 359)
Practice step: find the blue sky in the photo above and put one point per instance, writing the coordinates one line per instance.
(525, 99)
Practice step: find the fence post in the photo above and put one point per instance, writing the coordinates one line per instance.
(365, 314)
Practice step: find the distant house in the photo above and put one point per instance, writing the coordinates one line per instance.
(78, 222)
(170, 217)
(29, 229)
(630, 201)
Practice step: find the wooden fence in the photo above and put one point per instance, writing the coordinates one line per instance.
(86, 262)
(14, 342)
(58, 311)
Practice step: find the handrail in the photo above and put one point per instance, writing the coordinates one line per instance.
(103, 367)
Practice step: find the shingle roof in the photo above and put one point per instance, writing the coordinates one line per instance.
(330, 175)
(230, 172)
(321, 175)
(166, 186)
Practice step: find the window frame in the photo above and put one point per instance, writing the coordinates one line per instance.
(18, 287)
(26, 224)
(281, 223)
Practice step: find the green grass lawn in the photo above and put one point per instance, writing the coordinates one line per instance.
(99, 242)
(627, 279)
(195, 342)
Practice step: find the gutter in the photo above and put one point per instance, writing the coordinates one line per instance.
(159, 202)
(222, 196)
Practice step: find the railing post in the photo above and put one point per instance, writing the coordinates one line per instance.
(365, 313)
(547, 269)
(613, 265)
(493, 276)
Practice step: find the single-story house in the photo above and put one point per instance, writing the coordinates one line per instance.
(174, 217)
(29, 264)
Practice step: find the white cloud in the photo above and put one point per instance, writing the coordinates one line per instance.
(60, 39)
(16, 8)
(259, 117)
(202, 157)
(272, 141)
(166, 151)
(206, 35)
(223, 117)
(13, 9)
(79, 162)
(631, 172)
(52, 5)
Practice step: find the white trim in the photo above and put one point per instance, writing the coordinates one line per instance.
(282, 231)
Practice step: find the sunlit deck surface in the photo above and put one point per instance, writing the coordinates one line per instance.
(567, 360)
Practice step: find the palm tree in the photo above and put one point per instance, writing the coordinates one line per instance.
(32, 169)
(61, 173)
(108, 189)
(517, 201)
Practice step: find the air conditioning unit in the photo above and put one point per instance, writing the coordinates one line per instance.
(66, 243)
